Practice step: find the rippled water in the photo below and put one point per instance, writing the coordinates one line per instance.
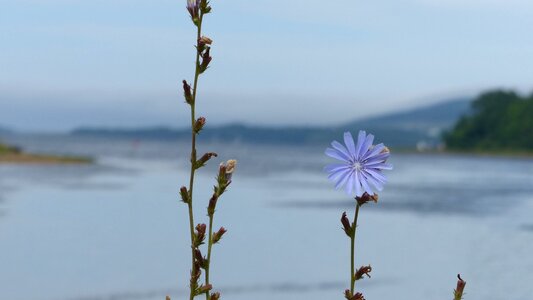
(116, 229)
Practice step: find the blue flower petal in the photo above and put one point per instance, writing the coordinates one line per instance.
(366, 145)
(378, 185)
(350, 184)
(379, 165)
(335, 167)
(334, 176)
(342, 180)
(358, 190)
(365, 185)
(360, 140)
(335, 154)
(348, 140)
(373, 151)
(379, 157)
(376, 175)
(339, 147)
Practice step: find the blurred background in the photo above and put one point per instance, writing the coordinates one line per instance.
(94, 147)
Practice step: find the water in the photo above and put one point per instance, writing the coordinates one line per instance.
(116, 229)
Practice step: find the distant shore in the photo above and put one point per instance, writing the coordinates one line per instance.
(477, 153)
(42, 159)
(486, 153)
(14, 155)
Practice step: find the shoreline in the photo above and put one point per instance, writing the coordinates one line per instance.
(25, 158)
(14, 155)
(477, 153)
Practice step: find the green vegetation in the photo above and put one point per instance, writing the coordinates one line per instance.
(5, 149)
(500, 121)
(10, 154)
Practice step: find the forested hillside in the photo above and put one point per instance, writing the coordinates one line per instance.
(499, 121)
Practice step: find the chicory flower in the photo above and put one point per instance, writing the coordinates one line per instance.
(361, 164)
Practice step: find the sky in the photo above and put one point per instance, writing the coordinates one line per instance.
(119, 63)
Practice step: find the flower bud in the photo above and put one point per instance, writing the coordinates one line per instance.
(222, 182)
(230, 168)
(193, 6)
(364, 270)
(184, 194)
(167, 298)
(212, 204)
(206, 157)
(204, 6)
(458, 292)
(187, 92)
(225, 171)
(366, 197)
(200, 235)
(201, 228)
(202, 42)
(206, 59)
(222, 172)
(202, 261)
(199, 124)
(203, 289)
(218, 235)
(205, 41)
(358, 296)
(349, 296)
(346, 225)
(215, 296)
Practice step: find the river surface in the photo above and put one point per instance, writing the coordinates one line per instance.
(116, 229)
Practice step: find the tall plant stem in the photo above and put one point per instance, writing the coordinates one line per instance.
(209, 245)
(352, 270)
(193, 149)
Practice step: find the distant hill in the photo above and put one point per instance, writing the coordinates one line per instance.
(404, 128)
(432, 117)
(233, 132)
(4, 130)
(418, 125)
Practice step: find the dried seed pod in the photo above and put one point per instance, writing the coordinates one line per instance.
(187, 93)
(218, 235)
(346, 225)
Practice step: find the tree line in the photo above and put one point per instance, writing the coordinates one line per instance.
(499, 120)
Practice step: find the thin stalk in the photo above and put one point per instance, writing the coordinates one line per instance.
(193, 148)
(191, 225)
(354, 226)
(209, 245)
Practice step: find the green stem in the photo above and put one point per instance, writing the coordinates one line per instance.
(191, 225)
(209, 245)
(354, 226)
(193, 150)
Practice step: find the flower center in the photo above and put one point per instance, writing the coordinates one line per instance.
(357, 166)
